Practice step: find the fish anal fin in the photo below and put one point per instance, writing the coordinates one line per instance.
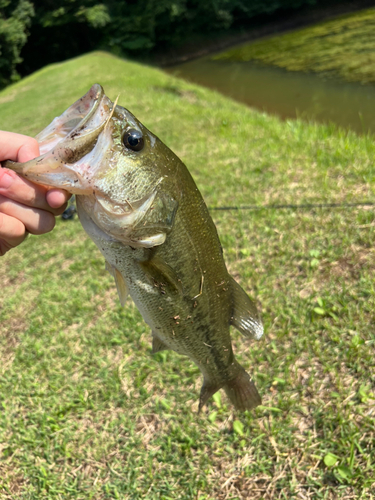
(157, 344)
(109, 268)
(242, 392)
(161, 273)
(121, 286)
(208, 389)
(245, 316)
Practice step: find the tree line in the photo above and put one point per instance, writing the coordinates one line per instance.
(36, 33)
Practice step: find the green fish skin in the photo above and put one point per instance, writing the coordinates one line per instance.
(141, 207)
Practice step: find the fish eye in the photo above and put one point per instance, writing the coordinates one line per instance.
(133, 139)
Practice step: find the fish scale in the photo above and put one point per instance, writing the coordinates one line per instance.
(139, 204)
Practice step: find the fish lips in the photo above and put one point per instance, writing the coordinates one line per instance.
(67, 141)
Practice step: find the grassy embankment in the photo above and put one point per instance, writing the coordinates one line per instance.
(342, 48)
(88, 412)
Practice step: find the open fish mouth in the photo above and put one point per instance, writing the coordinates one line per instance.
(98, 150)
(67, 145)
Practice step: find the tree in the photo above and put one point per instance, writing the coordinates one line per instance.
(15, 17)
(62, 29)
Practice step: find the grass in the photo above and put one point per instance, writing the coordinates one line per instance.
(88, 413)
(342, 48)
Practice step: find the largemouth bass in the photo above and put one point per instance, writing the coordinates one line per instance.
(141, 207)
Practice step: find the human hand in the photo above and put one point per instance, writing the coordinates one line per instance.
(24, 206)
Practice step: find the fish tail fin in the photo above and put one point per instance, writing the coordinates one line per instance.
(242, 392)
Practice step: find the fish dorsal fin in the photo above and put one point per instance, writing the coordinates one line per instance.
(157, 344)
(245, 316)
(122, 289)
(161, 273)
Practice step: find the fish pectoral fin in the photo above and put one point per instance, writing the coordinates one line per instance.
(161, 274)
(245, 316)
(157, 344)
(121, 286)
(151, 241)
(122, 289)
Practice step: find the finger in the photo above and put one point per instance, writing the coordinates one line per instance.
(17, 147)
(23, 191)
(57, 198)
(35, 220)
(59, 211)
(12, 233)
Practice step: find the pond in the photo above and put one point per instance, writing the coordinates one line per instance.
(286, 94)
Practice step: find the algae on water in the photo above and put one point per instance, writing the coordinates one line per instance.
(343, 47)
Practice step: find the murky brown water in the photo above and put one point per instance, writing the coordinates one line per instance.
(286, 94)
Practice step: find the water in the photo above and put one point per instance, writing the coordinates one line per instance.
(287, 94)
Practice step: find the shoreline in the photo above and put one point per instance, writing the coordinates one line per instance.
(189, 52)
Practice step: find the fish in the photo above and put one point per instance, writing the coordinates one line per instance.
(140, 205)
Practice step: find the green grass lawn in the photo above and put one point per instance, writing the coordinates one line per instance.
(86, 412)
(341, 47)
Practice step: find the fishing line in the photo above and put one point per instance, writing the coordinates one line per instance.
(71, 210)
(302, 206)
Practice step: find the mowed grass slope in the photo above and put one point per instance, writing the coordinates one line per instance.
(86, 412)
(342, 47)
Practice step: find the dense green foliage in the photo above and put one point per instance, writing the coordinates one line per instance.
(139, 28)
(86, 412)
(15, 16)
(341, 47)
(63, 29)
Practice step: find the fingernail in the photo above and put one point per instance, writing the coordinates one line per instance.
(5, 180)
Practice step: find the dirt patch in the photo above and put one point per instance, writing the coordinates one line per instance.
(7, 281)
(10, 340)
(350, 266)
(260, 487)
(12, 482)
